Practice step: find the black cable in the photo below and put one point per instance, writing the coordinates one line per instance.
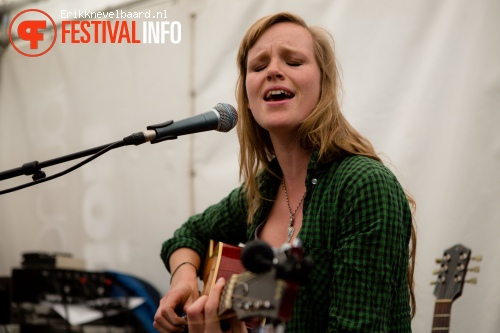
(62, 173)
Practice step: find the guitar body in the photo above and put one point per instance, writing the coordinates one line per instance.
(223, 260)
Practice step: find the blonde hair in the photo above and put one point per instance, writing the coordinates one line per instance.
(325, 129)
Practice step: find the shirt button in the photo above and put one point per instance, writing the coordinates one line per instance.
(314, 181)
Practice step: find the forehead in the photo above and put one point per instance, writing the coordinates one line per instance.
(287, 35)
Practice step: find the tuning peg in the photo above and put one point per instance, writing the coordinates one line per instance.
(446, 257)
(433, 283)
(471, 281)
(436, 271)
(474, 269)
(477, 258)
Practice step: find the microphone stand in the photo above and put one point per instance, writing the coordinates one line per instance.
(35, 168)
(38, 175)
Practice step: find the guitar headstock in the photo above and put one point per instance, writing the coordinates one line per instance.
(452, 271)
(270, 290)
(254, 297)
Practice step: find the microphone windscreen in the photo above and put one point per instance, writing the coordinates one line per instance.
(228, 117)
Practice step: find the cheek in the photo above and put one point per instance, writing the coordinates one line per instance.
(315, 91)
(251, 93)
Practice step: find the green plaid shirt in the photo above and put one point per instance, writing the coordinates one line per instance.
(356, 227)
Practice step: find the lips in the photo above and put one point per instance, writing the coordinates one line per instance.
(278, 94)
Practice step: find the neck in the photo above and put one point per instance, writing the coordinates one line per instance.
(441, 321)
(294, 166)
(294, 171)
(293, 161)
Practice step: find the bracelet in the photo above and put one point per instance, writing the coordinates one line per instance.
(182, 263)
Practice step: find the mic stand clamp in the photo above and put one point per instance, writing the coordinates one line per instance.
(165, 124)
(33, 168)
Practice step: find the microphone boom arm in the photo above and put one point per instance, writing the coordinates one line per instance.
(35, 168)
(223, 117)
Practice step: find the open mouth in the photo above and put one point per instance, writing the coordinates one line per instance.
(278, 95)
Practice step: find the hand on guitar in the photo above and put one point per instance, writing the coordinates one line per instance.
(166, 319)
(184, 290)
(263, 293)
(202, 314)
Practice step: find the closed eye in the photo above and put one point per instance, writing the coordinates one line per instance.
(258, 68)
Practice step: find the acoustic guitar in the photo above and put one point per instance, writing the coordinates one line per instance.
(450, 283)
(260, 297)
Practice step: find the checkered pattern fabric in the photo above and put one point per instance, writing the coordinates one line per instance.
(356, 227)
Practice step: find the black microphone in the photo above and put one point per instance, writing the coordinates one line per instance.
(257, 256)
(223, 118)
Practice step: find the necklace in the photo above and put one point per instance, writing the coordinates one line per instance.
(291, 229)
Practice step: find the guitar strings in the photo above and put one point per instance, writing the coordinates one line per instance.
(238, 278)
(219, 318)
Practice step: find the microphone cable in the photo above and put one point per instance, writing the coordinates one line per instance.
(68, 170)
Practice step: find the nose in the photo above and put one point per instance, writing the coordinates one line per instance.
(274, 70)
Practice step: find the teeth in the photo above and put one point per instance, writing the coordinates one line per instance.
(277, 92)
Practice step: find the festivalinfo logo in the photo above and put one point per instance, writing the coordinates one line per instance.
(40, 31)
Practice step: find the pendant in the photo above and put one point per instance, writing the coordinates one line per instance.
(291, 229)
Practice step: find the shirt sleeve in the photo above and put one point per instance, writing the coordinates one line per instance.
(369, 284)
(224, 221)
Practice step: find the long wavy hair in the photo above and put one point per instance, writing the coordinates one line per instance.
(325, 129)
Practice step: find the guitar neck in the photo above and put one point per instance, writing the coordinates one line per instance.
(442, 311)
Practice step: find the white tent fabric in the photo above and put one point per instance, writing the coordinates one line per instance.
(421, 81)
